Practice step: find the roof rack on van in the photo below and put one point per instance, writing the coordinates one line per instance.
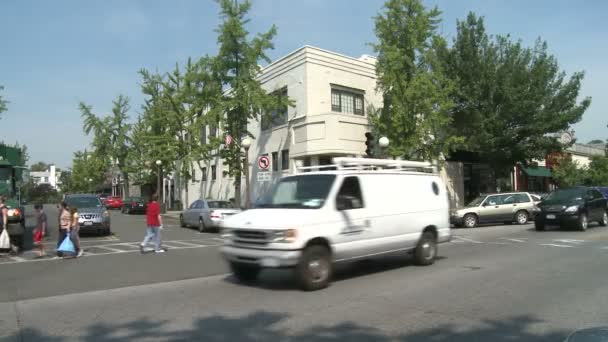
(346, 163)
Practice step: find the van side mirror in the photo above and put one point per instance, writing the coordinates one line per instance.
(344, 203)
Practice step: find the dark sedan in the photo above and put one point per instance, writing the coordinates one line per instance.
(132, 205)
(574, 207)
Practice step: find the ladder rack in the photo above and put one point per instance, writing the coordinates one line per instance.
(367, 164)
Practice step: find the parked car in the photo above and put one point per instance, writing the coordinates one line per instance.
(132, 205)
(312, 220)
(207, 214)
(604, 191)
(504, 207)
(113, 202)
(93, 216)
(572, 207)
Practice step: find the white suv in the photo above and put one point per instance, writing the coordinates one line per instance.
(311, 220)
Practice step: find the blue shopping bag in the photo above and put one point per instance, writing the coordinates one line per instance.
(67, 246)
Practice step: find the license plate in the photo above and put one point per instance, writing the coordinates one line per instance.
(551, 217)
(141, 205)
(88, 223)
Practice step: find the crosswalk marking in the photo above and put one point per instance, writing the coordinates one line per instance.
(111, 249)
(556, 245)
(466, 239)
(513, 240)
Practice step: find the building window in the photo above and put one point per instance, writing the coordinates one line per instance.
(278, 116)
(344, 101)
(275, 161)
(204, 176)
(213, 172)
(285, 160)
(212, 131)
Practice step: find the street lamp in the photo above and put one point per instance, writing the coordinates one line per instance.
(158, 189)
(246, 143)
(383, 143)
(90, 180)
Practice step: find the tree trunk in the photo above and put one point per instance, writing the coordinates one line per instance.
(237, 190)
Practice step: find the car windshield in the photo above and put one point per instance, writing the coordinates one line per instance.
(477, 201)
(565, 195)
(220, 205)
(83, 202)
(299, 192)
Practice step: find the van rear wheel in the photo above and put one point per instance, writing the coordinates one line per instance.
(470, 220)
(314, 269)
(426, 250)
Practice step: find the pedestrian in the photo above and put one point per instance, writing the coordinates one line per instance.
(154, 224)
(40, 230)
(75, 231)
(3, 215)
(65, 220)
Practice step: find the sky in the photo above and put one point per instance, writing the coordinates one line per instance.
(55, 54)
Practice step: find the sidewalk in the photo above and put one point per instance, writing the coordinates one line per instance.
(173, 215)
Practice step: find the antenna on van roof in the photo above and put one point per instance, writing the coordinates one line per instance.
(367, 164)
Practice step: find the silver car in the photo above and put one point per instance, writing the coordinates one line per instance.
(93, 216)
(510, 207)
(207, 214)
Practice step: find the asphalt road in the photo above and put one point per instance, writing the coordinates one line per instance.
(494, 283)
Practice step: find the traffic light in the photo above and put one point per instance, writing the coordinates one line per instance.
(369, 142)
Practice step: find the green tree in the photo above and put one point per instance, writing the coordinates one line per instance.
(88, 172)
(567, 172)
(39, 167)
(510, 100)
(596, 141)
(598, 171)
(416, 103)
(236, 66)
(111, 138)
(3, 103)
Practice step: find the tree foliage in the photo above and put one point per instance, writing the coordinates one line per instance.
(39, 167)
(3, 103)
(236, 66)
(416, 107)
(510, 100)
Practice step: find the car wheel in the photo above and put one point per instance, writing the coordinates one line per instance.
(522, 217)
(314, 269)
(604, 220)
(539, 226)
(201, 226)
(583, 222)
(470, 220)
(426, 250)
(245, 273)
(181, 221)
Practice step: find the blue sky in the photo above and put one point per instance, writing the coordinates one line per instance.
(54, 54)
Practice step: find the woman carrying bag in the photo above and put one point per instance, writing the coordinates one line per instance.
(65, 221)
(5, 242)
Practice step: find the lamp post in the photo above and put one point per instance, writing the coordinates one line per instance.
(383, 143)
(90, 181)
(246, 143)
(158, 188)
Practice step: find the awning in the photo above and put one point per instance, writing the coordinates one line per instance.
(538, 171)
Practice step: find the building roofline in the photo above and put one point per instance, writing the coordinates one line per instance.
(304, 47)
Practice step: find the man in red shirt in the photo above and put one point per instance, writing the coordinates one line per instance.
(155, 223)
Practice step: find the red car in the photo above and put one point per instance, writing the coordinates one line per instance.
(113, 202)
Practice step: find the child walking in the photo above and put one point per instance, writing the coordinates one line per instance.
(40, 230)
(154, 224)
(75, 231)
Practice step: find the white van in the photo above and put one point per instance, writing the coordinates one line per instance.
(362, 208)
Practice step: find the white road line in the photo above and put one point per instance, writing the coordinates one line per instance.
(188, 244)
(218, 239)
(465, 239)
(556, 245)
(499, 243)
(514, 240)
(111, 249)
(570, 241)
(17, 259)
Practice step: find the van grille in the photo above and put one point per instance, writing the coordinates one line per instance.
(257, 237)
(89, 216)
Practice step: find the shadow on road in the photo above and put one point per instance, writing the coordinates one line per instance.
(268, 326)
(283, 279)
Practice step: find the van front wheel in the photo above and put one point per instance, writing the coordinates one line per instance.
(426, 250)
(314, 268)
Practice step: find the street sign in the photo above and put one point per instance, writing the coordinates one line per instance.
(263, 176)
(228, 140)
(263, 162)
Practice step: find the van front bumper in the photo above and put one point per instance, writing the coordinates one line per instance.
(270, 258)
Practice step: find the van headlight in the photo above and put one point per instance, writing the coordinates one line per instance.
(286, 236)
(105, 214)
(571, 209)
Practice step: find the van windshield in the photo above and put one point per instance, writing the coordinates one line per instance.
(299, 192)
